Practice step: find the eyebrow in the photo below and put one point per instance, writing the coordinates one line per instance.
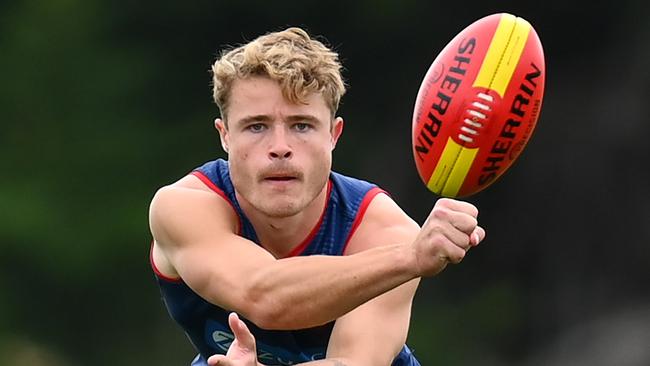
(303, 117)
(267, 118)
(253, 118)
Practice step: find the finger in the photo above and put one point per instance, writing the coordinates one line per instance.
(457, 205)
(455, 236)
(477, 236)
(455, 254)
(241, 332)
(448, 251)
(460, 220)
(455, 226)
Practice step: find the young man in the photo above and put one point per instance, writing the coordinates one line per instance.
(321, 267)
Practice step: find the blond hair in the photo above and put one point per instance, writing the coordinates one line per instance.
(300, 64)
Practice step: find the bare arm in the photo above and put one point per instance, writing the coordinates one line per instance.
(370, 335)
(196, 232)
(373, 333)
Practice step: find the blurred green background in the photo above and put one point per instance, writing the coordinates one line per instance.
(102, 102)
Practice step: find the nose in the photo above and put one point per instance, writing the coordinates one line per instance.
(279, 147)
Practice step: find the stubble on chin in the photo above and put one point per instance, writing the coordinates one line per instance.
(280, 211)
(286, 204)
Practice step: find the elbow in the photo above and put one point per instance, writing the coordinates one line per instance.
(261, 305)
(266, 313)
(274, 306)
(271, 310)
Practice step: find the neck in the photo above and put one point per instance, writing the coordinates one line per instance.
(281, 235)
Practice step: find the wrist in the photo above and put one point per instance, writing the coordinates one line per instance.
(407, 260)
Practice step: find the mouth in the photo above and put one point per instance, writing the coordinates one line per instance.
(280, 177)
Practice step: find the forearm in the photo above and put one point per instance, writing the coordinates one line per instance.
(302, 292)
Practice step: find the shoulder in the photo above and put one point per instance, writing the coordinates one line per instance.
(185, 216)
(383, 223)
(188, 189)
(179, 207)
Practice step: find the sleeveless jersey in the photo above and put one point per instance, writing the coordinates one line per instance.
(206, 324)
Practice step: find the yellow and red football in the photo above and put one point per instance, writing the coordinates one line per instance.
(478, 105)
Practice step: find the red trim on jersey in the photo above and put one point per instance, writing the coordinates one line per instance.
(157, 271)
(361, 212)
(221, 193)
(300, 248)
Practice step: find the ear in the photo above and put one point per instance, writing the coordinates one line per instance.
(222, 127)
(337, 130)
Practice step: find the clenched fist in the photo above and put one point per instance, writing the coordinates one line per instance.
(448, 233)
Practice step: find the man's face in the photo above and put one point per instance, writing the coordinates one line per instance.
(280, 153)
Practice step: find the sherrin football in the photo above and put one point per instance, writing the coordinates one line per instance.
(478, 105)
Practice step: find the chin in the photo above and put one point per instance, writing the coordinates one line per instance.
(281, 211)
(281, 206)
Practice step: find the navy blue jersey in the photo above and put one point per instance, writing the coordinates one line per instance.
(206, 324)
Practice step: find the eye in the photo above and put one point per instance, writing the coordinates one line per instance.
(256, 127)
(302, 127)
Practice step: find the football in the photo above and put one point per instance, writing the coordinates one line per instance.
(478, 105)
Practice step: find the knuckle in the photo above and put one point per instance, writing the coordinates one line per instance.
(437, 240)
(445, 202)
(440, 213)
(472, 222)
(473, 210)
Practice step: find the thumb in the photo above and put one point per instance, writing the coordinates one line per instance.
(477, 236)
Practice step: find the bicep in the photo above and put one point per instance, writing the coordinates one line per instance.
(196, 231)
